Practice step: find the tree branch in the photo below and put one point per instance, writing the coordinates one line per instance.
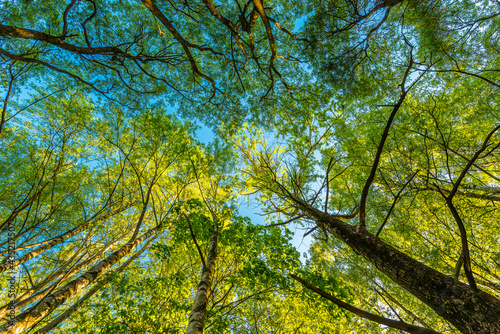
(195, 242)
(371, 177)
(366, 315)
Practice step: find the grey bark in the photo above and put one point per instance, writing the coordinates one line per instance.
(36, 293)
(455, 301)
(54, 300)
(199, 311)
(73, 308)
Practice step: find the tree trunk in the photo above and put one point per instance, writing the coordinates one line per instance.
(55, 241)
(5, 265)
(36, 293)
(73, 308)
(51, 302)
(199, 310)
(455, 301)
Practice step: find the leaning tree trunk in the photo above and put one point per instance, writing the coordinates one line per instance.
(5, 264)
(73, 308)
(54, 300)
(36, 293)
(199, 310)
(455, 301)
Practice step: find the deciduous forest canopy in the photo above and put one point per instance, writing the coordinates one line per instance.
(374, 126)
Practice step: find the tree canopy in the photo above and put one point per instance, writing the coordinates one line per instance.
(372, 126)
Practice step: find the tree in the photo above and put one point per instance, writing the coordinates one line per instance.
(401, 120)
(362, 150)
(108, 175)
(172, 291)
(385, 113)
(147, 48)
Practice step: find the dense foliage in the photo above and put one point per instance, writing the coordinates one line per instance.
(372, 126)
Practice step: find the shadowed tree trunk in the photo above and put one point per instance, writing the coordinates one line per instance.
(36, 293)
(455, 301)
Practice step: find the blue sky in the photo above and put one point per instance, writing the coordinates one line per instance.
(252, 210)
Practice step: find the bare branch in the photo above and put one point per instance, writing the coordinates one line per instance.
(371, 177)
(396, 198)
(366, 315)
(65, 19)
(195, 242)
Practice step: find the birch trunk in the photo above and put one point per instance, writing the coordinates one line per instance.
(36, 293)
(73, 308)
(57, 240)
(54, 300)
(199, 310)
(5, 265)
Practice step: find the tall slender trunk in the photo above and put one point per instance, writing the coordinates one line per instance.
(455, 301)
(36, 293)
(54, 300)
(5, 264)
(199, 310)
(73, 308)
(37, 251)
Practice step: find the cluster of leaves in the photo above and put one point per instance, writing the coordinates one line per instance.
(155, 295)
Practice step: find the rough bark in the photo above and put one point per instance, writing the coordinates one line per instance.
(54, 300)
(199, 310)
(455, 301)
